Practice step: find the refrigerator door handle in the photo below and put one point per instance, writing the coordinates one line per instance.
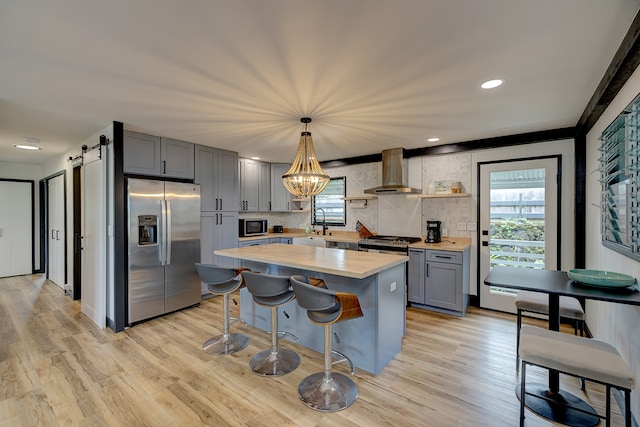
(163, 232)
(168, 240)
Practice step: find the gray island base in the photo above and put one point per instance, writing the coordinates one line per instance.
(378, 280)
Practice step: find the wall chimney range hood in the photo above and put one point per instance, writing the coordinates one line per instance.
(394, 175)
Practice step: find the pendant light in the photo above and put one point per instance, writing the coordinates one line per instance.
(305, 177)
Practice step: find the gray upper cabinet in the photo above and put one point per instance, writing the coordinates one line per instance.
(249, 185)
(280, 197)
(264, 187)
(155, 156)
(217, 174)
(178, 159)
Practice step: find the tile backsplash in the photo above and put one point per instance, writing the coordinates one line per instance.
(397, 214)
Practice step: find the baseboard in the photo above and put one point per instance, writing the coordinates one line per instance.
(111, 324)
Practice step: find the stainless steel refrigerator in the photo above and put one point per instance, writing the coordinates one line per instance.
(164, 244)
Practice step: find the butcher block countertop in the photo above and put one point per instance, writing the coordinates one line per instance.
(354, 264)
(456, 244)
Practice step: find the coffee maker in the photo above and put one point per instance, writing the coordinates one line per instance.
(433, 232)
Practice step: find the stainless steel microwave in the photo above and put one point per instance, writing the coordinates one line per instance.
(252, 227)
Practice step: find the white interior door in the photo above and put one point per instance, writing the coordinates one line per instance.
(16, 228)
(518, 221)
(94, 242)
(56, 230)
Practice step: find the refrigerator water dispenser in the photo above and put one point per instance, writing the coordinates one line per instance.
(147, 230)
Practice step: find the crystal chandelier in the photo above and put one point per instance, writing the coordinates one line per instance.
(305, 177)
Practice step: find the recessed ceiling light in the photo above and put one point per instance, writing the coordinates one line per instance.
(434, 139)
(27, 147)
(491, 84)
(255, 158)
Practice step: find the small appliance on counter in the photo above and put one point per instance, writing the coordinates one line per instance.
(433, 232)
(278, 229)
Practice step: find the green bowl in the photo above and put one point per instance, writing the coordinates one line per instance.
(601, 278)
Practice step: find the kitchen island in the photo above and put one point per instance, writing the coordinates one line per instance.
(377, 279)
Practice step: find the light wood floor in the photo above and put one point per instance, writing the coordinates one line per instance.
(56, 368)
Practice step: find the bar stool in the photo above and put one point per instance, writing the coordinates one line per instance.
(223, 281)
(272, 291)
(324, 391)
(538, 302)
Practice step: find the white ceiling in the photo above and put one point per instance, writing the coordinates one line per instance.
(239, 74)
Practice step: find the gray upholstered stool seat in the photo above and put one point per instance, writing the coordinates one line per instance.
(326, 391)
(592, 359)
(222, 281)
(538, 302)
(271, 291)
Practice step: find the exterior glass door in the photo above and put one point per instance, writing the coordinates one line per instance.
(518, 221)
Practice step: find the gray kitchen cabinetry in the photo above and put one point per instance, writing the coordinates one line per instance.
(155, 156)
(283, 240)
(217, 174)
(280, 197)
(415, 287)
(445, 280)
(264, 187)
(249, 172)
(218, 230)
(258, 242)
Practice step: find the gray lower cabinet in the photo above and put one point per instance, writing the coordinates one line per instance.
(218, 230)
(258, 242)
(217, 174)
(155, 156)
(445, 280)
(415, 286)
(283, 240)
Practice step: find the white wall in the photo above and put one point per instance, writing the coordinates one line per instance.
(31, 172)
(615, 323)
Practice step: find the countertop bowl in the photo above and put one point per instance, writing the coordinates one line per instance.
(601, 278)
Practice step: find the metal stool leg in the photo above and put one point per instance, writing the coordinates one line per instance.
(276, 361)
(326, 391)
(226, 343)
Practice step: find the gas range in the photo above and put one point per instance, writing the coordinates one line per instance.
(387, 244)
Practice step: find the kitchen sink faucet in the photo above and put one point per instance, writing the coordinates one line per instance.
(324, 220)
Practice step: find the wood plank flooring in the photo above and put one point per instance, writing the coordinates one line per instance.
(57, 368)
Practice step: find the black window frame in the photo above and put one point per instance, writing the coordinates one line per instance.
(329, 221)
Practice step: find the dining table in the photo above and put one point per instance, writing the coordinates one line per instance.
(548, 400)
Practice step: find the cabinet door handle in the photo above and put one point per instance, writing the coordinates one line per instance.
(57, 234)
(164, 166)
(220, 208)
(427, 271)
(53, 234)
(443, 257)
(216, 204)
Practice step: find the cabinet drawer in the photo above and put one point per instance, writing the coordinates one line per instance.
(448, 257)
